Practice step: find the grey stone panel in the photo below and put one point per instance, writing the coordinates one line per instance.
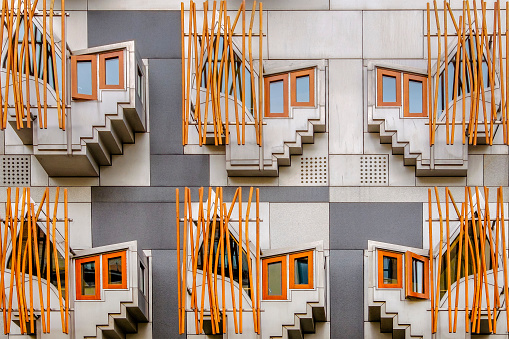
(151, 224)
(165, 91)
(346, 294)
(353, 224)
(167, 194)
(164, 290)
(179, 170)
(157, 33)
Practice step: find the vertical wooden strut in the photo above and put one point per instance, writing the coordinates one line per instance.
(435, 107)
(458, 270)
(446, 87)
(437, 297)
(258, 255)
(240, 259)
(248, 251)
(230, 268)
(500, 197)
(260, 82)
(48, 260)
(66, 241)
(177, 206)
(506, 110)
(64, 67)
(183, 297)
(432, 282)
(45, 73)
(456, 75)
(501, 70)
(467, 318)
(430, 96)
(57, 267)
(463, 75)
(55, 75)
(473, 88)
(183, 64)
(38, 268)
(244, 103)
(234, 81)
(205, 232)
(253, 85)
(8, 221)
(448, 269)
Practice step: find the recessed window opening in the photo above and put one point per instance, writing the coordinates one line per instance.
(390, 265)
(84, 77)
(88, 278)
(390, 268)
(301, 271)
(417, 272)
(415, 96)
(275, 278)
(115, 270)
(88, 271)
(274, 286)
(276, 96)
(140, 90)
(417, 276)
(389, 88)
(302, 84)
(141, 278)
(112, 71)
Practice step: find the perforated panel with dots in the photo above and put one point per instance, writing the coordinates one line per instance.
(15, 170)
(313, 170)
(374, 169)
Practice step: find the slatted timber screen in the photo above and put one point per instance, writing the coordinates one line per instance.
(21, 63)
(208, 64)
(213, 215)
(16, 298)
(478, 77)
(482, 243)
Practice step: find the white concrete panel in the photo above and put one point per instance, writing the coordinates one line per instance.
(314, 35)
(70, 5)
(76, 26)
(291, 175)
(290, 224)
(344, 170)
(253, 181)
(495, 170)
(440, 181)
(475, 172)
(345, 107)
(132, 168)
(379, 4)
(80, 229)
(399, 174)
(75, 194)
(218, 175)
(38, 176)
(392, 34)
(74, 181)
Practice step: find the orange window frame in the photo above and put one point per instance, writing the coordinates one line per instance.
(122, 255)
(380, 72)
(399, 258)
(268, 80)
(409, 257)
(78, 263)
(265, 280)
(102, 69)
(293, 84)
(309, 255)
(74, 76)
(406, 96)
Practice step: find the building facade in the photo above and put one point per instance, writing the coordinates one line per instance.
(349, 159)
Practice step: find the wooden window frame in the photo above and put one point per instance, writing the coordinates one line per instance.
(74, 76)
(78, 263)
(267, 81)
(293, 84)
(409, 256)
(102, 69)
(293, 256)
(105, 257)
(399, 258)
(406, 95)
(265, 281)
(380, 72)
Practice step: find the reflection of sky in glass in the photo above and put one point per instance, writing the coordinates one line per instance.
(389, 88)
(275, 283)
(85, 77)
(276, 97)
(112, 76)
(417, 278)
(302, 84)
(415, 96)
(440, 98)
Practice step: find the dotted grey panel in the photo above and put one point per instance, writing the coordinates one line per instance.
(374, 169)
(15, 170)
(313, 170)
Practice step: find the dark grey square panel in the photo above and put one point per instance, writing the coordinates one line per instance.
(152, 224)
(157, 33)
(353, 224)
(346, 294)
(165, 88)
(179, 170)
(165, 298)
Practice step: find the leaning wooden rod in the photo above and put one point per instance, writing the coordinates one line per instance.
(199, 234)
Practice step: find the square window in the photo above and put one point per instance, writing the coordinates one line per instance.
(390, 269)
(84, 77)
(111, 70)
(301, 270)
(417, 271)
(114, 270)
(303, 87)
(415, 99)
(87, 279)
(276, 96)
(274, 278)
(388, 88)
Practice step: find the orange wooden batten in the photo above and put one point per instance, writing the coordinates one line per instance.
(265, 280)
(295, 256)
(399, 269)
(106, 270)
(103, 57)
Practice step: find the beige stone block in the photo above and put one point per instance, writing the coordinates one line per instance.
(496, 170)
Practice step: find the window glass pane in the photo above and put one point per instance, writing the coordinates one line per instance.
(417, 276)
(302, 84)
(277, 96)
(84, 77)
(415, 96)
(88, 278)
(112, 68)
(274, 278)
(115, 270)
(390, 270)
(389, 88)
(139, 84)
(301, 271)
